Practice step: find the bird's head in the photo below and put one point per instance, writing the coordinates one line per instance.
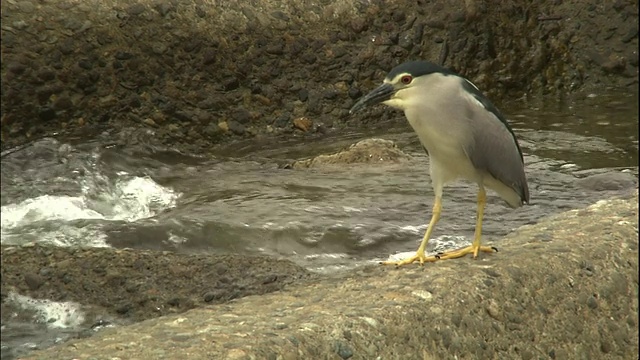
(395, 90)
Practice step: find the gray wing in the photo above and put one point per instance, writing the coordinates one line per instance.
(495, 148)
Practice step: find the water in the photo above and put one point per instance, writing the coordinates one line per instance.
(241, 201)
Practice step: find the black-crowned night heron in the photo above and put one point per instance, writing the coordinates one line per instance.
(464, 135)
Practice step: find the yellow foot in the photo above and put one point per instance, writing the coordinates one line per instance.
(419, 256)
(454, 254)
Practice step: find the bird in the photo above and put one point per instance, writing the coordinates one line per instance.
(465, 136)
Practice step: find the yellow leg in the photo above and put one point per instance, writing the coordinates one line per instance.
(475, 248)
(420, 254)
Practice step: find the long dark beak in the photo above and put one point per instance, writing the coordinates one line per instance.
(378, 95)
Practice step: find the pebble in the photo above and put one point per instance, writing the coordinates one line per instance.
(343, 350)
(242, 115)
(33, 281)
(20, 24)
(303, 123)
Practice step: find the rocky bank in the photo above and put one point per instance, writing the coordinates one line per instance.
(566, 288)
(193, 74)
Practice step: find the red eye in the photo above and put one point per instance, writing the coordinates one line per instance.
(406, 79)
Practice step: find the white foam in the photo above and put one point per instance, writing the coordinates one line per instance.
(141, 198)
(48, 218)
(45, 207)
(54, 314)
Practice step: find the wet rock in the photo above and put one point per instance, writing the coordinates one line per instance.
(46, 74)
(230, 83)
(62, 103)
(164, 7)
(303, 123)
(16, 67)
(355, 93)
(242, 115)
(303, 94)
(275, 49)
(365, 151)
(46, 114)
(343, 350)
(33, 281)
(609, 181)
(20, 24)
(236, 127)
(136, 9)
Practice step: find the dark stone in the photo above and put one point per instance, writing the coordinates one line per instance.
(85, 64)
(209, 56)
(136, 9)
(46, 74)
(282, 121)
(175, 302)
(309, 58)
(33, 281)
(62, 103)
(123, 55)
(16, 67)
(280, 15)
(192, 45)
(330, 94)
(124, 309)
(270, 279)
(46, 114)
(358, 25)
(164, 8)
(275, 49)
(242, 115)
(236, 127)
(230, 83)
(608, 181)
(354, 93)
(343, 350)
(67, 46)
(209, 296)
(303, 94)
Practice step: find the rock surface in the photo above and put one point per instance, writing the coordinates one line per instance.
(198, 73)
(565, 288)
(132, 285)
(363, 152)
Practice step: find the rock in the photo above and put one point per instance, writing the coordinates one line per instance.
(46, 114)
(62, 103)
(303, 94)
(365, 151)
(33, 281)
(242, 115)
(230, 83)
(303, 123)
(136, 9)
(224, 126)
(236, 127)
(609, 181)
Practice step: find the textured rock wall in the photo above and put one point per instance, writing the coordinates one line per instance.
(201, 72)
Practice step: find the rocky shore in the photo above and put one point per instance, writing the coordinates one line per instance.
(194, 74)
(565, 288)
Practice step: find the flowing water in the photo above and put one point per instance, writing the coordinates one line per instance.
(240, 201)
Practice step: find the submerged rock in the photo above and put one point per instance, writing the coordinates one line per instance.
(365, 151)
